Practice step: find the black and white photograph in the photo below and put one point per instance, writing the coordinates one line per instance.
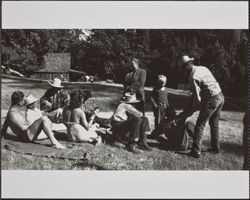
(125, 98)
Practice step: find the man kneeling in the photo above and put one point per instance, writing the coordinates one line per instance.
(19, 125)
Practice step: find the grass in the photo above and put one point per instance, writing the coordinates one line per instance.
(111, 158)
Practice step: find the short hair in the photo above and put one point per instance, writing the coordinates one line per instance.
(16, 97)
(162, 78)
(135, 59)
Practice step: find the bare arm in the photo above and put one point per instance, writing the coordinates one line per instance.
(18, 121)
(83, 120)
(195, 100)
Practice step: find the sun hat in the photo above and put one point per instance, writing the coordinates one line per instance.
(186, 59)
(129, 98)
(30, 99)
(56, 83)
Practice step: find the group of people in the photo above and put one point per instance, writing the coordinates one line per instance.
(58, 109)
(172, 129)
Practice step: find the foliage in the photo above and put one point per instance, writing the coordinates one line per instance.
(108, 52)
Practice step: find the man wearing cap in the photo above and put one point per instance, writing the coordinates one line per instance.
(127, 119)
(25, 131)
(207, 93)
(54, 100)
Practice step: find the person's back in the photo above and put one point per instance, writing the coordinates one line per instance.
(73, 115)
(206, 81)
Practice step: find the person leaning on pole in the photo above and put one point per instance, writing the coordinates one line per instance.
(207, 93)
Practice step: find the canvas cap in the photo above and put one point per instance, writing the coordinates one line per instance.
(30, 99)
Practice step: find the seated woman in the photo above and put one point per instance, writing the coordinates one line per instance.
(27, 132)
(78, 129)
(174, 132)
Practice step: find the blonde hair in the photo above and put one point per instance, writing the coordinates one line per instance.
(162, 78)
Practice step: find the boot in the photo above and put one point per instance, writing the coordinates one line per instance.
(131, 146)
(142, 144)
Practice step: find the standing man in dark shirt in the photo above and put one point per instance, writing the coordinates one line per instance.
(136, 82)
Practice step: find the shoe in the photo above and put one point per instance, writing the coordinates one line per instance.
(144, 146)
(97, 141)
(194, 154)
(117, 144)
(133, 149)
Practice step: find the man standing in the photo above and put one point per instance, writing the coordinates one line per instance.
(207, 93)
(54, 100)
(135, 81)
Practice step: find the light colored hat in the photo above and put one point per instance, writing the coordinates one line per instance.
(186, 59)
(129, 98)
(56, 83)
(30, 99)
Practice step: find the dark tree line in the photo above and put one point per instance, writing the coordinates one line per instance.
(108, 52)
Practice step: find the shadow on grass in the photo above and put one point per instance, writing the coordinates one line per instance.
(233, 148)
(89, 166)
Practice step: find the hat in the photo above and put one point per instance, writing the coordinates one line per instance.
(186, 59)
(129, 98)
(56, 83)
(30, 99)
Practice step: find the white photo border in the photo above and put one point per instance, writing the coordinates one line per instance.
(129, 14)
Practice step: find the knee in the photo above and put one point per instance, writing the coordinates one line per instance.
(45, 119)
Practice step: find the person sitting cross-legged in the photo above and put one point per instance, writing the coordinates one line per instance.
(127, 119)
(20, 126)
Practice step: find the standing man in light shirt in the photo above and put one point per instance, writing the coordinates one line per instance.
(207, 93)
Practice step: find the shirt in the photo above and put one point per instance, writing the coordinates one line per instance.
(33, 115)
(203, 82)
(160, 96)
(122, 111)
(58, 99)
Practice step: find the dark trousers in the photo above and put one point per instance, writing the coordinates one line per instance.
(159, 114)
(210, 111)
(134, 126)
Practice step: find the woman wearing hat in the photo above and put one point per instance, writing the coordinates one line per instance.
(54, 100)
(207, 93)
(127, 119)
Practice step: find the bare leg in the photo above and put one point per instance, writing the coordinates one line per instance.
(44, 124)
